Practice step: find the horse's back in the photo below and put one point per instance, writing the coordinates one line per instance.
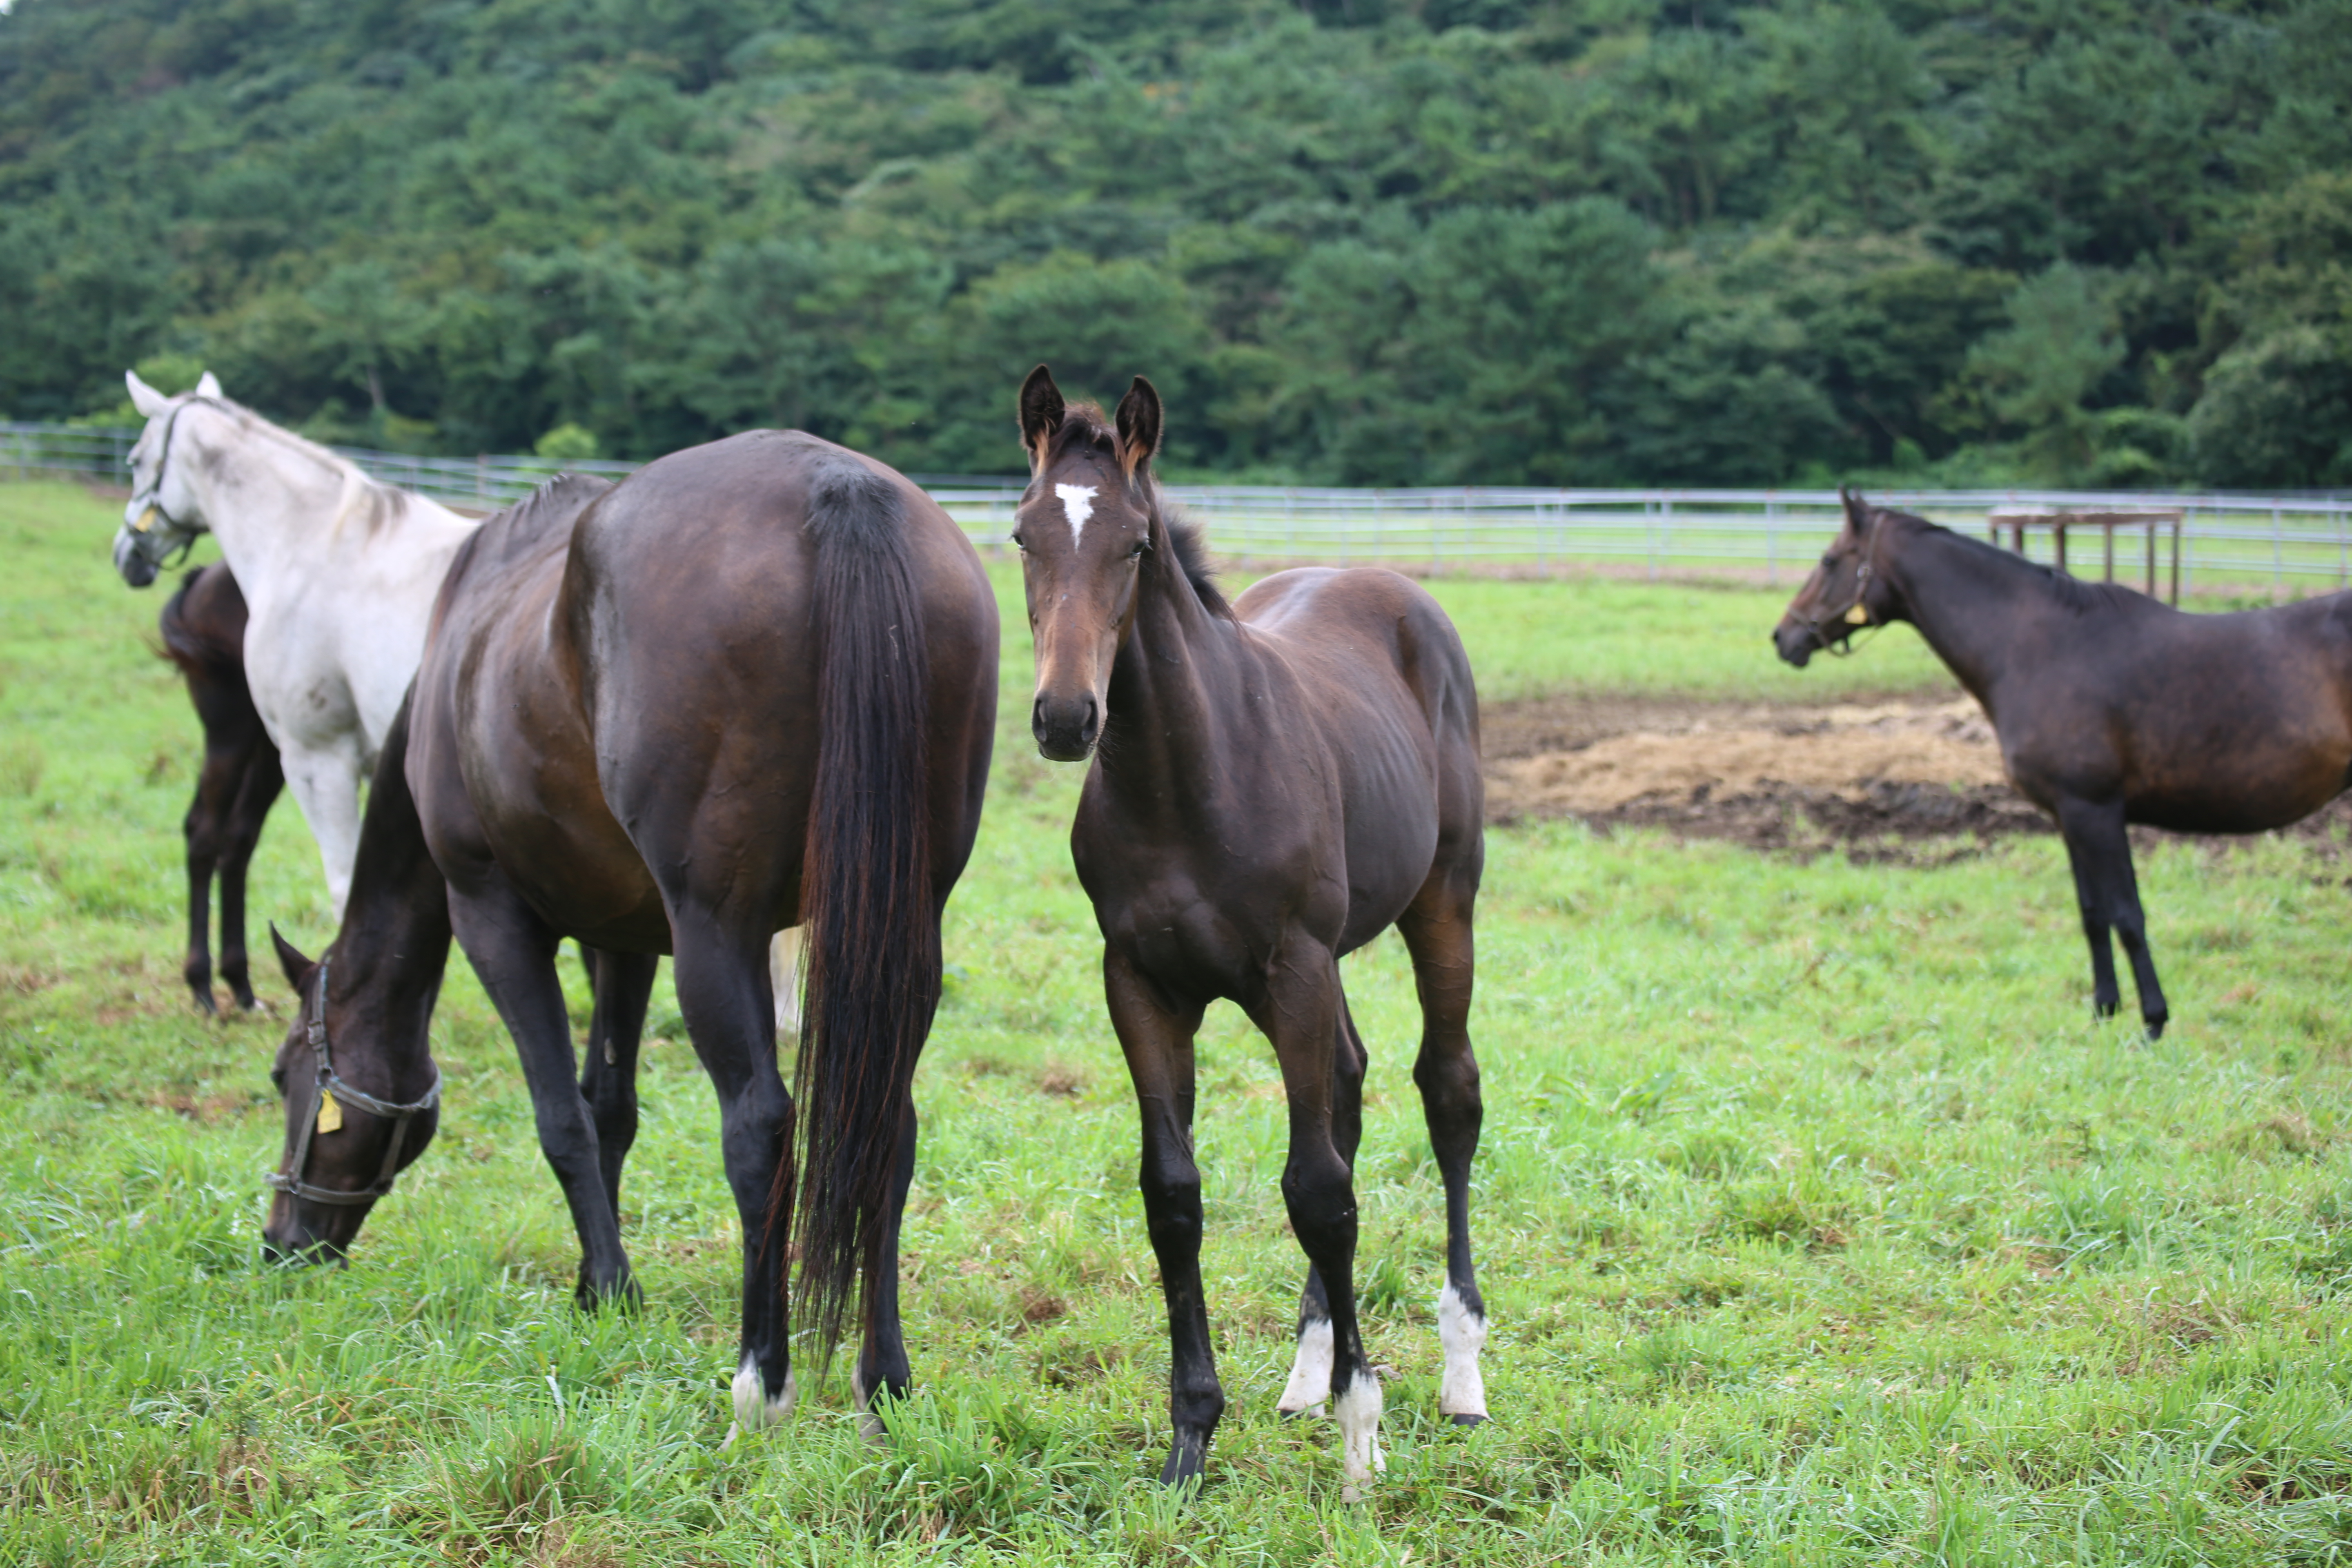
(1385, 679)
(2230, 723)
(694, 603)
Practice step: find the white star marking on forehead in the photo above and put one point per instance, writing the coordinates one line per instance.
(1077, 505)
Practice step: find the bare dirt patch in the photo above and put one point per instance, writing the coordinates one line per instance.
(1912, 778)
(1876, 776)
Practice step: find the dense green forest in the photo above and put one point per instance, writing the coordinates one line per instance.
(1354, 241)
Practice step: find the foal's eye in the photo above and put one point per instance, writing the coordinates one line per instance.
(278, 1081)
(1021, 544)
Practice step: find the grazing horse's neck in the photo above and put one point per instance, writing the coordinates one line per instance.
(394, 944)
(1167, 714)
(1969, 600)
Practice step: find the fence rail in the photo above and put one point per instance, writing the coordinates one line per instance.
(2229, 542)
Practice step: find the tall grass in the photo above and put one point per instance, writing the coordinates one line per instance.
(1820, 1222)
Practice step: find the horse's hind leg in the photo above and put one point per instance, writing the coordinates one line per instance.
(2107, 893)
(1437, 932)
(1156, 1039)
(721, 969)
(1311, 1366)
(624, 983)
(882, 1372)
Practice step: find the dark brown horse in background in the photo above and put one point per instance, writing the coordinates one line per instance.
(2111, 708)
(753, 685)
(1275, 783)
(203, 635)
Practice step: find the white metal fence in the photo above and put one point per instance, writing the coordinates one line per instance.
(2289, 545)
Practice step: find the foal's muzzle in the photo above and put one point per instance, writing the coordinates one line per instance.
(1066, 727)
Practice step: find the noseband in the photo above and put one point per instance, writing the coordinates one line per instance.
(334, 1094)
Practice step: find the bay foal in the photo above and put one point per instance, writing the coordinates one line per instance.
(203, 635)
(1274, 784)
(2111, 708)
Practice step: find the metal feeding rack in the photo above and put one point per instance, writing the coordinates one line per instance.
(2153, 521)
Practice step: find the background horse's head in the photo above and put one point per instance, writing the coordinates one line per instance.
(349, 1149)
(1848, 591)
(162, 515)
(1084, 526)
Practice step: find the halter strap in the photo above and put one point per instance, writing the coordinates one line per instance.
(145, 521)
(1841, 642)
(290, 1180)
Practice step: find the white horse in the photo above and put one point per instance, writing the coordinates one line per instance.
(339, 574)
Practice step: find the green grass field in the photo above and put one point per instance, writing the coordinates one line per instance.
(1819, 1220)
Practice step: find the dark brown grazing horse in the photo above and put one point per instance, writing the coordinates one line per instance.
(1273, 785)
(2111, 707)
(753, 685)
(203, 635)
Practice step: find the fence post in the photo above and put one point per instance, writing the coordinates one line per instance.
(1771, 543)
(2278, 569)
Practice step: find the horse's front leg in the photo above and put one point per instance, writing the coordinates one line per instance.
(326, 784)
(2107, 892)
(260, 783)
(202, 830)
(1311, 1366)
(721, 972)
(1156, 1036)
(513, 951)
(1300, 1013)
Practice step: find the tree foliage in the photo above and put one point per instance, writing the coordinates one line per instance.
(1372, 241)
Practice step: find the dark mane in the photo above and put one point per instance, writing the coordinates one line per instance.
(1083, 424)
(2076, 593)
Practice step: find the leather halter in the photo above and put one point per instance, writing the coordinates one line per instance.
(289, 1180)
(1840, 643)
(145, 521)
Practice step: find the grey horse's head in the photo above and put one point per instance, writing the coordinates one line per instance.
(160, 517)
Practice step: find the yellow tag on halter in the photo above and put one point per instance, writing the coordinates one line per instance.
(330, 1115)
(146, 519)
(1857, 616)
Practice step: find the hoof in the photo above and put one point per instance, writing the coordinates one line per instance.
(754, 1411)
(1317, 1411)
(1186, 1460)
(2156, 1028)
(1467, 1420)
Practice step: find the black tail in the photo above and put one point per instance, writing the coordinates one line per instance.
(870, 925)
(201, 650)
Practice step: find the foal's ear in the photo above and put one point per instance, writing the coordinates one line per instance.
(1041, 414)
(1138, 426)
(1857, 511)
(208, 385)
(290, 959)
(144, 397)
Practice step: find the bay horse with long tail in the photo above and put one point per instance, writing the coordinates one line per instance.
(202, 626)
(751, 686)
(2111, 708)
(1274, 784)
